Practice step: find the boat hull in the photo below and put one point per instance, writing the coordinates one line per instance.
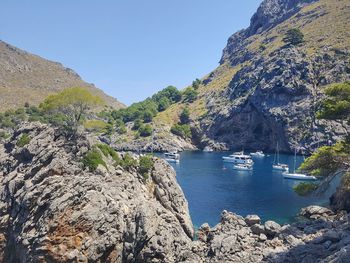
(279, 168)
(172, 160)
(242, 169)
(232, 160)
(301, 177)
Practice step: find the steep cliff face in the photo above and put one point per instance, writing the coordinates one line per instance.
(274, 94)
(52, 210)
(266, 91)
(35, 78)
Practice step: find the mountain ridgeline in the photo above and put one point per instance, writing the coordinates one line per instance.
(35, 78)
(268, 84)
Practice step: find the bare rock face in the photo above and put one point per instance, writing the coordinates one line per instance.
(269, 14)
(275, 92)
(52, 210)
(326, 239)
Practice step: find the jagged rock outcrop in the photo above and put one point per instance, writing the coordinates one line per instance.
(269, 14)
(35, 78)
(274, 94)
(54, 210)
(323, 236)
(156, 144)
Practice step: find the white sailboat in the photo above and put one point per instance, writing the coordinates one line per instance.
(298, 176)
(277, 165)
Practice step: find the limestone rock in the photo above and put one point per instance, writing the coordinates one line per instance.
(252, 219)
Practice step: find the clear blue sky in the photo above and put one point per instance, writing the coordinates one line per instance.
(128, 48)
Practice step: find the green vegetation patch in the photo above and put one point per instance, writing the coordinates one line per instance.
(92, 159)
(145, 130)
(294, 37)
(337, 104)
(145, 166)
(24, 140)
(109, 151)
(305, 189)
(182, 130)
(96, 125)
(128, 162)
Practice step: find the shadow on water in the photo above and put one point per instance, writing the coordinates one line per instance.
(211, 186)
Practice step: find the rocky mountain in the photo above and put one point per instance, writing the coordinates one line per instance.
(34, 78)
(267, 91)
(52, 209)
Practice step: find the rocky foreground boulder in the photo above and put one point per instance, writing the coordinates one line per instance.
(52, 209)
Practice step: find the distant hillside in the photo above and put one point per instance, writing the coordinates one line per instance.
(29, 78)
(265, 90)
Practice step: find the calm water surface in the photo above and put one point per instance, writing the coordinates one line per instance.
(210, 186)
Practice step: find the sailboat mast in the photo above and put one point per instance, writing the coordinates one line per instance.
(295, 158)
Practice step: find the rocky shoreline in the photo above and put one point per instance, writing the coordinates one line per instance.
(323, 236)
(52, 209)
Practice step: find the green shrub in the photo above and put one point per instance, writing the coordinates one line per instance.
(146, 165)
(137, 124)
(109, 151)
(305, 189)
(24, 140)
(92, 159)
(4, 135)
(185, 116)
(190, 95)
(147, 116)
(196, 83)
(294, 37)
(145, 130)
(182, 130)
(96, 125)
(128, 162)
(163, 104)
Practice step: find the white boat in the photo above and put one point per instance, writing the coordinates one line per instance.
(208, 149)
(280, 167)
(297, 176)
(242, 167)
(238, 158)
(276, 163)
(173, 157)
(257, 154)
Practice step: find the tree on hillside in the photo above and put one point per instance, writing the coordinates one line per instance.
(196, 83)
(147, 116)
(170, 92)
(163, 104)
(294, 37)
(70, 107)
(145, 130)
(328, 160)
(337, 104)
(185, 116)
(190, 95)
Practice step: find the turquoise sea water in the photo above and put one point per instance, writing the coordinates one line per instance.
(210, 186)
